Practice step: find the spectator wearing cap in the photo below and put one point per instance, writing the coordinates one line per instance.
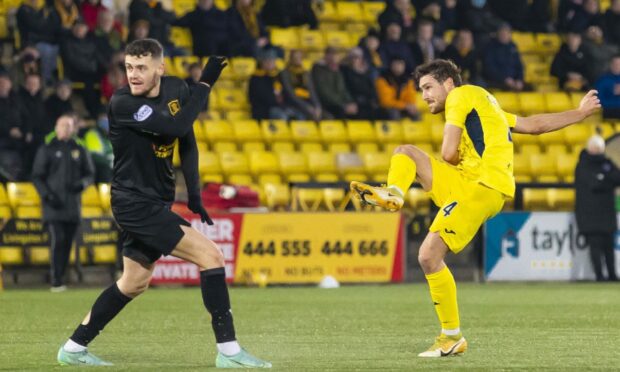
(59, 103)
(502, 62)
(299, 88)
(396, 92)
(465, 55)
(608, 87)
(266, 92)
(208, 26)
(331, 88)
(12, 134)
(570, 64)
(360, 84)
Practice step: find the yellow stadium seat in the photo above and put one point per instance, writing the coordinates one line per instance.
(356, 31)
(578, 134)
(529, 148)
(532, 103)
(538, 73)
(334, 198)
(249, 147)
(104, 254)
(293, 165)
(437, 133)
(91, 212)
(247, 130)
(548, 42)
(556, 149)
(390, 147)
(29, 211)
(376, 164)
(202, 147)
(232, 99)
(521, 139)
(522, 166)
(308, 199)
(212, 178)
(263, 162)
(181, 37)
(332, 131)
(5, 212)
(287, 38)
(552, 137)
(321, 162)
(561, 199)
(339, 39)
(312, 40)
(169, 67)
(243, 67)
(418, 200)
(267, 178)
(90, 196)
(576, 97)
(566, 164)
(339, 147)
(234, 115)
(371, 10)
(329, 26)
(208, 163)
(280, 147)
(350, 164)
(525, 41)
(607, 129)
(276, 131)
(181, 63)
(548, 179)
(309, 147)
(535, 199)
(104, 195)
(305, 131)
(542, 165)
(389, 131)
(240, 179)
(4, 199)
(327, 12)
(39, 255)
(364, 147)
(558, 101)
(224, 146)
(416, 132)
(22, 193)
(277, 195)
(218, 130)
(349, 11)
(508, 101)
(199, 131)
(234, 163)
(360, 131)
(11, 255)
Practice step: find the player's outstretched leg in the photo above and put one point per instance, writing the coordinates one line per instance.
(443, 293)
(407, 162)
(110, 302)
(196, 248)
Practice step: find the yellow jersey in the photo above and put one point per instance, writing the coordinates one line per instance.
(486, 150)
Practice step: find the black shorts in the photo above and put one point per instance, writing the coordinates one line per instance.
(149, 230)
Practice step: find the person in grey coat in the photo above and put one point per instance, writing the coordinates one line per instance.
(62, 170)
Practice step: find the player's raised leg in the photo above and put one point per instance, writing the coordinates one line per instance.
(407, 162)
(443, 293)
(134, 281)
(196, 248)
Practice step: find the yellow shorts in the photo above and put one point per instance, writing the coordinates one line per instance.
(464, 205)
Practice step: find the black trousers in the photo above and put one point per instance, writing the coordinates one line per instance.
(61, 237)
(602, 248)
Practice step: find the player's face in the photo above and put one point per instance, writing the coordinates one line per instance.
(435, 93)
(144, 74)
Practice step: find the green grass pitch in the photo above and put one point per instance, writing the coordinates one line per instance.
(365, 328)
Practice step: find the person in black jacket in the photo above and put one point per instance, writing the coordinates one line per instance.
(570, 64)
(208, 26)
(13, 137)
(464, 54)
(32, 113)
(595, 180)
(61, 170)
(247, 35)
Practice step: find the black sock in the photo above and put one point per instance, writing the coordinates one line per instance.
(109, 303)
(217, 302)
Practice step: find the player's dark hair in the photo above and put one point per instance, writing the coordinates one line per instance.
(440, 70)
(145, 48)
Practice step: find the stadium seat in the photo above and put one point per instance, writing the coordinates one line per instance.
(364, 147)
(208, 163)
(556, 149)
(181, 63)
(311, 40)
(508, 101)
(90, 197)
(218, 130)
(332, 131)
(233, 163)
(558, 101)
(334, 198)
(525, 41)
(522, 167)
(321, 162)
(578, 134)
(240, 179)
(287, 38)
(91, 212)
(535, 199)
(360, 131)
(327, 12)
(548, 42)
(389, 148)
(11, 255)
(243, 67)
(280, 147)
(309, 147)
(532, 103)
(389, 131)
(418, 200)
(349, 11)
(307, 199)
(566, 164)
(305, 131)
(338, 148)
(437, 134)
(104, 254)
(277, 195)
(350, 166)
(104, 196)
(224, 146)
(416, 132)
(199, 131)
(4, 199)
(542, 165)
(169, 67)
(249, 147)
(275, 131)
(529, 148)
(339, 40)
(39, 255)
(371, 10)
(232, 99)
(247, 130)
(547, 139)
(263, 162)
(376, 165)
(5, 212)
(22, 193)
(28, 211)
(561, 199)
(181, 7)
(181, 37)
(293, 166)
(234, 115)
(521, 139)
(268, 178)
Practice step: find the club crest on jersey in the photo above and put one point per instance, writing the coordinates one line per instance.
(143, 113)
(174, 107)
(75, 154)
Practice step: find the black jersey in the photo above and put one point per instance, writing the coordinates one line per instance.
(143, 133)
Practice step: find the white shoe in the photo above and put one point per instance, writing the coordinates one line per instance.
(57, 289)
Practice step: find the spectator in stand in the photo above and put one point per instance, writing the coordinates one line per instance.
(598, 52)
(32, 116)
(396, 92)
(611, 22)
(360, 84)
(79, 57)
(139, 30)
(107, 39)
(394, 47)
(194, 71)
(265, 91)
(426, 46)
(90, 10)
(331, 88)
(62, 170)
(286, 13)
(159, 20)
(12, 135)
(114, 79)
(478, 17)
(464, 54)
(298, 87)
(570, 64)
(608, 87)
(208, 26)
(502, 62)
(40, 29)
(247, 35)
(58, 104)
(25, 63)
(580, 15)
(373, 54)
(443, 13)
(399, 12)
(514, 12)
(68, 12)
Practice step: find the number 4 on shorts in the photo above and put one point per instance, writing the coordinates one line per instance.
(448, 209)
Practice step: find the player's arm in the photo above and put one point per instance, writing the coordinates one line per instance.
(450, 145)
(188, 152)
(544, 123)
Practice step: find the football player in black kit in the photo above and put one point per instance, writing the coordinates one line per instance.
(145, 120)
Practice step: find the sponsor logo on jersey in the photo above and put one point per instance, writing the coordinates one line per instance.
(163, 151)
(143, 113)
(174, 107)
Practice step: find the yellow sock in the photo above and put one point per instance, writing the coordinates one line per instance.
(443, 293)
(402, 172)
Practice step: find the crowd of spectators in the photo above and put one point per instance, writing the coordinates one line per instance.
(370, 81)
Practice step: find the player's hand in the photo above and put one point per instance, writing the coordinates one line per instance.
(194, 204)
(590, 103)
(213, 69)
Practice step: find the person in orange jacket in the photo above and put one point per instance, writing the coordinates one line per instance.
(396, 92)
